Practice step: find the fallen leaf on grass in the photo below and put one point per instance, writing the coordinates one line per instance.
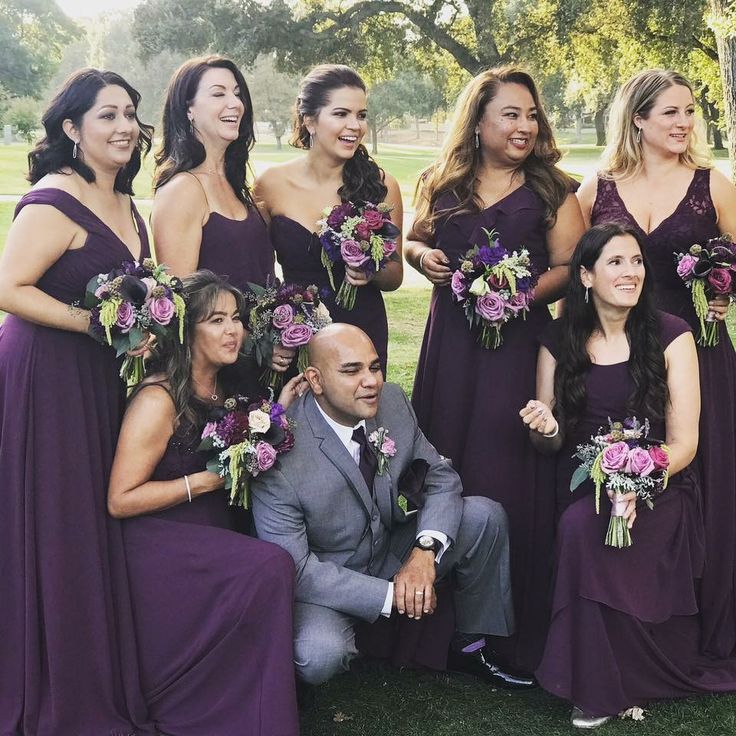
(636, 714)
(339, 717)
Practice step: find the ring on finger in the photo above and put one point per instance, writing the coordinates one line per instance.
(419, 593)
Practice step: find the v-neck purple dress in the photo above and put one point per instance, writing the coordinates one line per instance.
(694, 221)
(67, 654)
(467, 401)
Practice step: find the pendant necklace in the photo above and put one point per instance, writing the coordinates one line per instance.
(213, 393)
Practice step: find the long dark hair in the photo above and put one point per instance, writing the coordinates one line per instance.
(456, 170)
(173, 359)
(579, 320)
(362, 178)
(180, 149)
(54, 152)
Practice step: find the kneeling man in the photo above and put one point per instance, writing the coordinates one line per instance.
(335, 502)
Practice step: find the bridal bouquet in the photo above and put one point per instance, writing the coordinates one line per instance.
(286, 314)
(493, 286)
(245, 438)
(360, 237)
(132, 300)
(708, 271)
(623, 459)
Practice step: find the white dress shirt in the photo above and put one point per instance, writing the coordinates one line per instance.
(345, 435)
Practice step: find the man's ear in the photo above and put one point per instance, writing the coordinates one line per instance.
(314, 379)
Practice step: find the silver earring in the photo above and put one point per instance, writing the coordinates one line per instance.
(638, 135)
(74, 150)
(191, 127)
(477, 139)
(311, 140)
(587, 294)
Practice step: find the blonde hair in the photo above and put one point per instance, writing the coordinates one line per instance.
(456, 170)
(622, 157)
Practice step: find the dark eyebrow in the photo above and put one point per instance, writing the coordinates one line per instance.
(354, 364)
(533, 108)
(220, 86)
(347, 109)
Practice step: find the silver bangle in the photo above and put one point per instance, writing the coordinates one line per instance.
(189, 488)
(554, 434)
(421, 260)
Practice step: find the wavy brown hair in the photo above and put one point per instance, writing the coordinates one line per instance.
(363, 179)
(456, 170)
(580, 319)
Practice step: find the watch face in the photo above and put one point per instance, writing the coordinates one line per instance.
(426, 542)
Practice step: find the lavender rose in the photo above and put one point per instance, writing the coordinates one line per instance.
(161, 310)
(352, 254)
(125, 317)
(283, 316)
(458, 284)
(518, 302)
(265, 455)
(389, 248)
(614, 457)
(660, 457)
(639, 462)
(720, 280)
(685, 266)
(491, 307)
(294, 336)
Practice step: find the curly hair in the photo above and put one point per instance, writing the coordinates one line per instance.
(55, 151)
(578, 322)
(180, 148)
(456, 170)
(622, 157)
(363, 179)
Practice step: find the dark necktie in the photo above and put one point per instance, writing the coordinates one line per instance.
(368, 462)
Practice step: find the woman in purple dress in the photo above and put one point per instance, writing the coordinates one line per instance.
(624, 628)
(203, 213)
(66, 666)
(212, 607)
(331, 123)
(496, 171)
(655, 179)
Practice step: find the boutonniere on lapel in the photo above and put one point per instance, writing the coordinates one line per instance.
(384, 446)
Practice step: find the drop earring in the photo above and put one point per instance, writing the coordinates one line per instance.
(638, 135)
(191, 127)
(587, 294)
(311, 140)
(74, 150)
(477, 139)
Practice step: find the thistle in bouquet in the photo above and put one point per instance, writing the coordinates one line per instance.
(131, 301)
(624, 459)
(493, 286)
(245, 438)
(285, 314)
(363, 238)
(709, 272)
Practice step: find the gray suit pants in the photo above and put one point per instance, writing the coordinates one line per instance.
(324, 639)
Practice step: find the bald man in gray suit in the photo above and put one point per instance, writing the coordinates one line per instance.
(335, 503)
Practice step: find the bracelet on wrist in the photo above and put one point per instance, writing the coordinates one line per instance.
(553, 434)
(421, 259)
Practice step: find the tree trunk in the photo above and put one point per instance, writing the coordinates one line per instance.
(417, 124)
(727, 62)
(578, 127)
(600, 126)
(278, 143)
(717, 138)
(374, 138)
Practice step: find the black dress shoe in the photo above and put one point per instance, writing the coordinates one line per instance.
(479, 664)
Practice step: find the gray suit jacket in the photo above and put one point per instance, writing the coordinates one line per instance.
(315, 504)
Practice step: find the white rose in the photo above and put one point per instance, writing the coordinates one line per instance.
(259, 421)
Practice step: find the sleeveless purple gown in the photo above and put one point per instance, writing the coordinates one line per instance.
(624, 627)
(67, 664)
(298, 251)
(467, 401)
(238, 249)
(694, 221)
(212, 614)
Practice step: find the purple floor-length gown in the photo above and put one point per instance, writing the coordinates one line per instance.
(467, 401)
(67, 658)
(238, 249)
(212, 612)
(694, 221)
(298, 251)
(624, 627)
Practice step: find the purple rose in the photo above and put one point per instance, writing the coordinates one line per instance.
(389, 248)
(685, 266)
(266, 456)
(518, 302)
(363, 230)
(373, 219)
(490, 306)
(294, 336)
(161, 310)
(614, 457)
(660, 457)
(639, 462)
(352, 253)
(283, 316)
(339, 214)
(126, 317)
(458, 284)
(720, 280)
